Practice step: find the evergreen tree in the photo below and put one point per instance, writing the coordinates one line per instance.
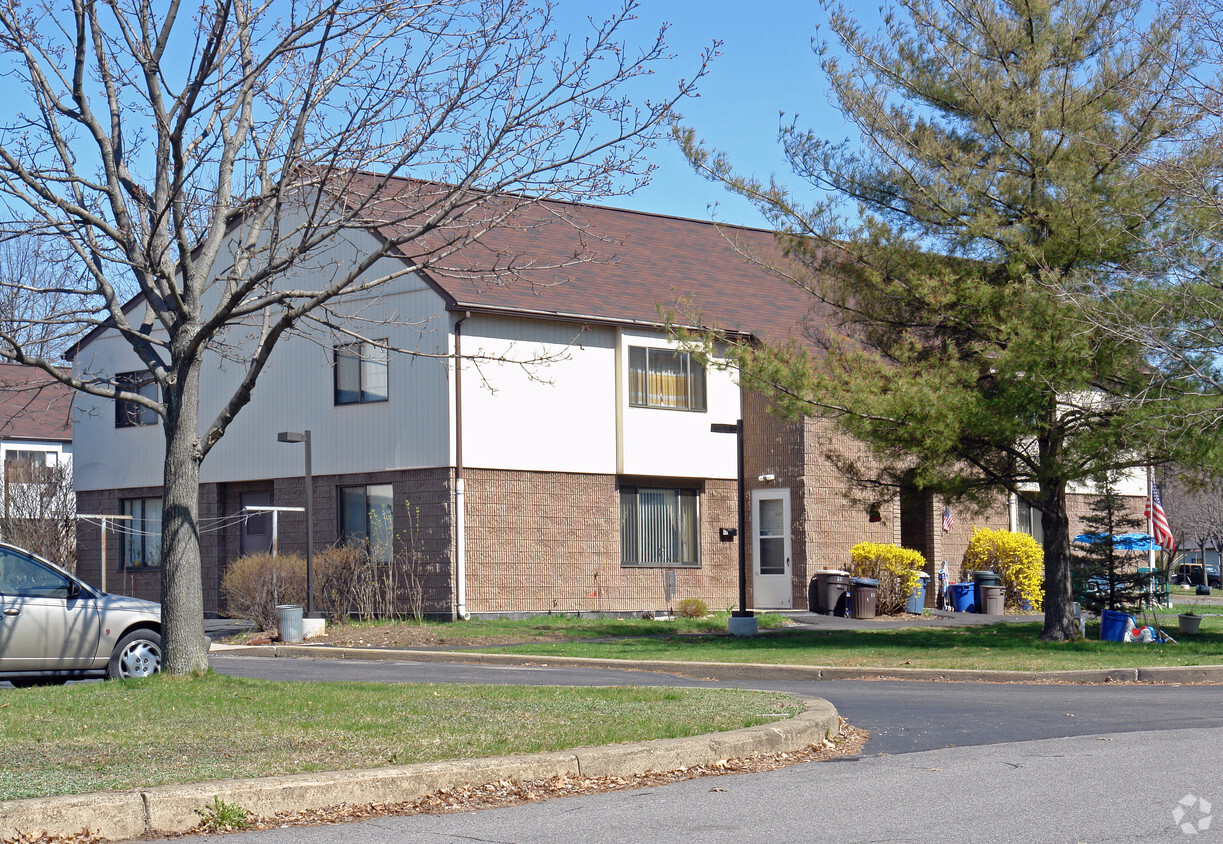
(998, 159)
(1104, 574)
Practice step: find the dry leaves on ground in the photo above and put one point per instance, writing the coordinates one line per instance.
(512, 793)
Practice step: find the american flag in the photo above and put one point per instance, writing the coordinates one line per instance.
(947, 520)
(1159, 522)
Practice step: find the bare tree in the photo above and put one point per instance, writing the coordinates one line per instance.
(38, 510)
(33, 296)
(206, 157)
(1194, 504)
(1170, 299)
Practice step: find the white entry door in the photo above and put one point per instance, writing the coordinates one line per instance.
(772, 586)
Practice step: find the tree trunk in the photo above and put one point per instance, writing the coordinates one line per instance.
(1055, 521)
(185, 648)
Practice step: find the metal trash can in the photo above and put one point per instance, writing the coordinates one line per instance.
(833, 589)
(865, 596)
(916, 602)
(289, 622)
(979, 580)
(995, 600)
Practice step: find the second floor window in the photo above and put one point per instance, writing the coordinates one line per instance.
(25, 466)
(360, 373)
(665, 378)
(129, 414)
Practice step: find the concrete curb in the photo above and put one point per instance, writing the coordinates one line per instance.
(169, 809)
(745, 671)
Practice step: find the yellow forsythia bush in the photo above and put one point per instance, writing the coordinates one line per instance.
(1016, 557)
(895, 568)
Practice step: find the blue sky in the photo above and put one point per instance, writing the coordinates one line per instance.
(766, 67)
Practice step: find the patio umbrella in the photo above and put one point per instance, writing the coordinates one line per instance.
(1123, 541)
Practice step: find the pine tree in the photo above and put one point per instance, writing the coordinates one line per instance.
(999, 158)
(1104, 574)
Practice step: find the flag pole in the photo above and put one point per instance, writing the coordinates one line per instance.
(1150, 518)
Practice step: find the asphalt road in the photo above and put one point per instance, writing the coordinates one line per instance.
(903, 717)
(946, 762)
(1125, 787)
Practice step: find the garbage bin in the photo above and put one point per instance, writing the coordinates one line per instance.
(833, 588)
(865, 596)
(289, 622)
(916, 602)
(1113, 625)
(995, 600)
(981, 579)
(961, 597)
(813, 595)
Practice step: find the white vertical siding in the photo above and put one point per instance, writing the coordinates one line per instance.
(539, 396)
(656, 441)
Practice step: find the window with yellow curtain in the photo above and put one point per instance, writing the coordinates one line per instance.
(665, 378)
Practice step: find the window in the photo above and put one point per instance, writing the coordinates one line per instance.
(142, 535)
(129, 414)
(23, 577)
(365, 517)
(1027, 520)
(658, 527)
(25, 466)
(665, 378)
(360, 373)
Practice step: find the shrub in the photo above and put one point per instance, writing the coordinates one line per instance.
(1016, 557)
(338, 571)
(692, 608)
(253, 585)
(895, 568)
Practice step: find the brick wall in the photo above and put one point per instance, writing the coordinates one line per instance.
(420, 516)
(140, 583)
(550, 541)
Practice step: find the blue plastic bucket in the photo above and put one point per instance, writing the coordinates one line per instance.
(1112, 625)
(961, 597)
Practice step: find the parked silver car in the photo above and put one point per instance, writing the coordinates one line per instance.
(54, 627)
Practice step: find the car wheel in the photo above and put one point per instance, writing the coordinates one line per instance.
(138, 654)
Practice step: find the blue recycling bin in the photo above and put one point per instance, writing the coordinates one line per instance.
(962, 597)
(1113, 624)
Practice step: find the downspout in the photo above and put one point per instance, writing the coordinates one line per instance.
(460, 520)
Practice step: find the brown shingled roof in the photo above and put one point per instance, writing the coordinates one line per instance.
(555, 259)
(33, 405)
(604, 264)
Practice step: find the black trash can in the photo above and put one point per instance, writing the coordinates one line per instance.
(980, 579)
(866, 596)
(833, 588)
(813, 595)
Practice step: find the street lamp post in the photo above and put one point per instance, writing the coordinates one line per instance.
(742, 621)
(304, 437)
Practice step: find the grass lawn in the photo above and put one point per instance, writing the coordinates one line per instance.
(1002, 646)
(541, 628)
(120, 735)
